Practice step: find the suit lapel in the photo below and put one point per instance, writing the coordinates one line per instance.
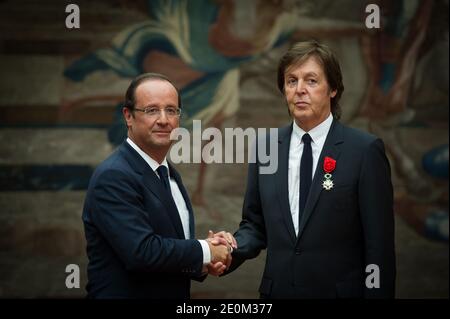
(177, 178)
(282, 179)
(331, 148)
(154, 185)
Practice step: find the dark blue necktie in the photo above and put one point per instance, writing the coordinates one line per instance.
(164, 176)
(306, 165)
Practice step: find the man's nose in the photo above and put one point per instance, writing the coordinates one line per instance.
(300, 89)
(162, 118)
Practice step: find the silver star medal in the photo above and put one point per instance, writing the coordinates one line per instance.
(327, 183)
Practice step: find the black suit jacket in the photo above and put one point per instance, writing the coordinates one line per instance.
(342, 230)
(135, 240)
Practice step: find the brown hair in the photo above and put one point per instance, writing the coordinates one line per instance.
(300, 52)
(130, 95)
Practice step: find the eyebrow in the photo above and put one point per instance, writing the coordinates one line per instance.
(311, 74)
(306, 75)
(154, 105)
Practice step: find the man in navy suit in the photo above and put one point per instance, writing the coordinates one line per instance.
(138, 219)
(326, 215)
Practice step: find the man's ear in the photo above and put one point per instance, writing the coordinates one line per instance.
(333, 93)
(128, 115)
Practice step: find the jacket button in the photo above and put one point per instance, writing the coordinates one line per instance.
(297, 252)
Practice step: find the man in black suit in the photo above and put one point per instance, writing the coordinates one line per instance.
(326, 215)
(138, 219)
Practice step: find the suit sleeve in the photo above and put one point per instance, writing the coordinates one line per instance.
(251, 235)
(119, 214)
(376, 209)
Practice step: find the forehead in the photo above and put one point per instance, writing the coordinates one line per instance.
(310, 64)
(156, 90)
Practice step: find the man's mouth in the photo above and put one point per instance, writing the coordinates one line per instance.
(301, 104)
(162, 132)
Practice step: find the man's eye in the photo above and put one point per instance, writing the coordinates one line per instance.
(312, 81)
(171, 111)
(291, 81)
(152, 111)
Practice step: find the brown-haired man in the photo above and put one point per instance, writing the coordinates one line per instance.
(326, 216)
(138, 219)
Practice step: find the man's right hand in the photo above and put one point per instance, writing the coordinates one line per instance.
(220, 250)
(218, 266)
(225, 235)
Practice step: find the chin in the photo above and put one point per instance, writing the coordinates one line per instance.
(163, 143)
(160, 142)
(167, 143)
(301, 115)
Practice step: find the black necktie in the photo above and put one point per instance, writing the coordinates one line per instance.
(306, 164)
(164, 176)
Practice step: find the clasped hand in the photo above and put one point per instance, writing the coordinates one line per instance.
(221, 245)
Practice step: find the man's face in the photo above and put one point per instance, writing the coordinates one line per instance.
(152, 132)
(307, 93)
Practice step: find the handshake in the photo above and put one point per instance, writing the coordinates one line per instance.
(221, 246)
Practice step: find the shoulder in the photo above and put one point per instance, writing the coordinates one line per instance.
(277, 134)
(358, 138)
(114, 167)
(285, 130)
(363, 145)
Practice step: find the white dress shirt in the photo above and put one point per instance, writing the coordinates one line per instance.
(318, 136)
(177, 197)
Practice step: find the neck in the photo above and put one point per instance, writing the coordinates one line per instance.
(157, 154)
(309, 126)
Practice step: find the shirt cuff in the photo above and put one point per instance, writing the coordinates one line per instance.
(206, 252)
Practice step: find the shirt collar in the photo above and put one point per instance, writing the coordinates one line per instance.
(316, 133)
(150, 161)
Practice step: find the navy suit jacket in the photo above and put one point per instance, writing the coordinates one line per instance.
(135, 240)
(342, 230)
